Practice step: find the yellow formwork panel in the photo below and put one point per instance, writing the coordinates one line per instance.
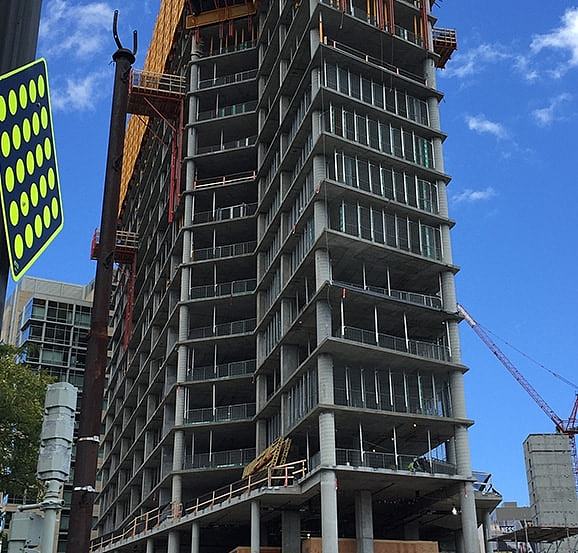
(168, 18)
(219, 15)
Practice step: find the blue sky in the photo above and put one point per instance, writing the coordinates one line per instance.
(511, 114)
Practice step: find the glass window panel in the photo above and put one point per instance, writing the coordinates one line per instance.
(339, 167)
(385, 137)
(401, 104)
(373, 134)
(390, 99)
(361, 129)
(396, 141)
(375, 175)
(378, 230)
(355, 85)
(363, 169)
(365, 222)
(337, 126)
(408, 145)
(412, 108)
(390, 233)
(402, 233)
(414, 237)
(343, 80)
(423, 113)
(399, 187)
(366, 90)
(350, 171)
(331, 76)
(410, 190)
(351, 219)
(387, 179)
(378, 94)
(349, 126)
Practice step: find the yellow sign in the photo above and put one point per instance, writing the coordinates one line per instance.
(29, 182)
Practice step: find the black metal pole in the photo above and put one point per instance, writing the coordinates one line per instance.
(19, 23)
(87, 445)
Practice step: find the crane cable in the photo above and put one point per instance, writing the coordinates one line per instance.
(553, 373)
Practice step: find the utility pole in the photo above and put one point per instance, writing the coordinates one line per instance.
(84, 490)
(19, 24)
(28, 529)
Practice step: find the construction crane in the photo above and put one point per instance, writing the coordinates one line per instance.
(568, 426)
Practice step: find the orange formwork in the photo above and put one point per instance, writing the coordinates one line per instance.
(313, 545)
(166, 24)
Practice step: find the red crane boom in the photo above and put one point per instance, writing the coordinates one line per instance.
(568, 427)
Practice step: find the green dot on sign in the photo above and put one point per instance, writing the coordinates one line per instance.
(54, 207)
(30, 163)
(51, 178)
(46, 216)
(16, 137)
(24, 204)
(41, 86)
(43, 188)
(12, 102)
(14, 213)
(32, 90)
(20, 171)
(39, 155)
(23, 96)
(29, 236)
(38, 226)
(18, 246)
(5, 144)
(9, 179)
(34, 194)
(2, 109)
(47, 148)
(44, 117)
(35, 123)
(26, 130)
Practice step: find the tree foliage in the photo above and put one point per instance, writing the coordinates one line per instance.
(22, 393)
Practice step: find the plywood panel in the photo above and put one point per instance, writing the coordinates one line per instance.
(313, 545)
(166, 24)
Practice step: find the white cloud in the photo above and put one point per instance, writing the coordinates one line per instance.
(482, 125)
(547, 115)
(81, 93)
(563, 38)
(474, 61)
(71, 28)
(472, 196)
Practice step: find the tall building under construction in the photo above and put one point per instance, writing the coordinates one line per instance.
(287, 289)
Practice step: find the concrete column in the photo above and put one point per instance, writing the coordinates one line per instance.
(489, 545)
(261, 436)
(195, 538)
(469, 520)
(446, 244)
(174, 542)
(150, 546)
(458, 396)
(329, 534)
(322, 268)
(324, 327)
(364, 521)
(289, 362)
(459, 537)
(290, 532)
(255, 527)
(327, 438)
(449, 292)
(319, 163)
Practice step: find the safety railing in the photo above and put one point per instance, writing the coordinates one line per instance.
(220, 50)
(231, 145)
(224, 329)
(158, 82)
(224, 370)
(393, 461)
(225, 213)
(228, 79)
(387, 341)
(226, 111)
(234, 178)
(223, 413)
(408, 35)
(220, 459)
(223, 289)
(279, 477)
(410, 297)
(375, 61)
(227, 250)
